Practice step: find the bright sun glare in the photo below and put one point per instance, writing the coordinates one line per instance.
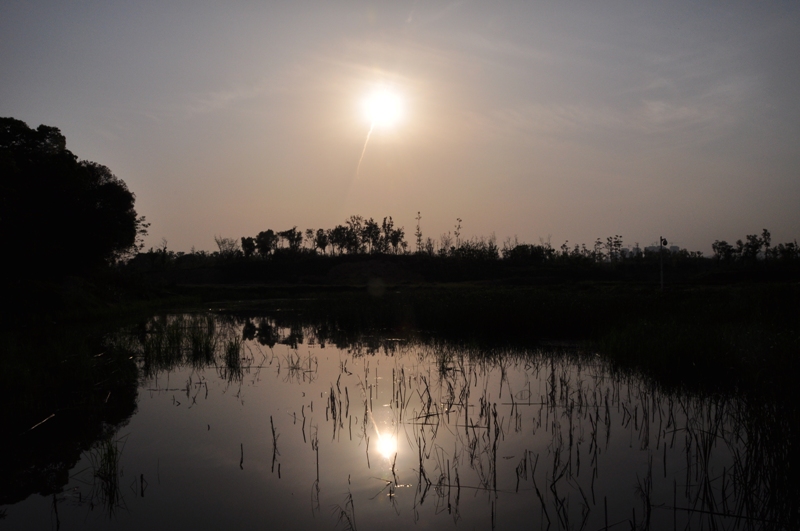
(383, 108)
(387, 445)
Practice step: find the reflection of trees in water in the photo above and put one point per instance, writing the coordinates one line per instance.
(226, 342)
(84, 388)
(713, 460)
(167, 342)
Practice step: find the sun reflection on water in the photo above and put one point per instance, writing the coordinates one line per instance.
(387, 444)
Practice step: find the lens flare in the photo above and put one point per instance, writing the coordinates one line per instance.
(365, 148)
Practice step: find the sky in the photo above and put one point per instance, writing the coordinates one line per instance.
(554, 120)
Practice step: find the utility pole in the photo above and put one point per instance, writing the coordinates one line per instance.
(661, 243)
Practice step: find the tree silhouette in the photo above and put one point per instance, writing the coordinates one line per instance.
(266, 241)
(354, 234)
(723, 251)
(310, 239)
(371, 236)
(248, 246)
(228, 247)
(293, 237)
(60, 215)
(390, 236)
(338, 238)
(418, 233)
(321, 240)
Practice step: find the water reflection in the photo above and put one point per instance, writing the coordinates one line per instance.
(63, 394)
(387, 445)
(300, 424)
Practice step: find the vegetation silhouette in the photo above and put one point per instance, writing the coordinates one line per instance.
(362, 249)
(727, 324)
(61, 215)
(66, 223)
(440, 387)
(61, 394)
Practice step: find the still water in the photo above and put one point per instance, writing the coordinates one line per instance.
(264, 422)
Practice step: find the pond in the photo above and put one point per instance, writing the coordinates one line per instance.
(267, 421)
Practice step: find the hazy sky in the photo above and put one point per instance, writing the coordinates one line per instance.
(572, 119)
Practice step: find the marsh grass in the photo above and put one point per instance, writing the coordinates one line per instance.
(232, 358)
(712, 370)
(165, 342)
(202, 340)
(731, 441)
(731, 337)
(346, 514)
(105, 460)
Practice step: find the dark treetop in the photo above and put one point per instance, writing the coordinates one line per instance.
(59, 215)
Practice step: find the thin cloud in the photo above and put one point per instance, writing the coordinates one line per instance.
(221, 99)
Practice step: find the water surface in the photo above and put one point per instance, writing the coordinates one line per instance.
(265, 421)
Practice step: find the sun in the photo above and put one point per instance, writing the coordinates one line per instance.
(383, 108)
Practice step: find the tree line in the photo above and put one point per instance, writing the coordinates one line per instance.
(357, 235)
(755, 247)
(76, 215)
